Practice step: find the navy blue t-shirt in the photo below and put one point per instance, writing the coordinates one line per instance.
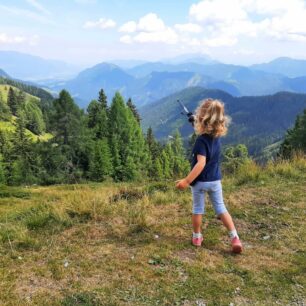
(211, 148)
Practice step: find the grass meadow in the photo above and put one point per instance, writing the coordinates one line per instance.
(130, 243)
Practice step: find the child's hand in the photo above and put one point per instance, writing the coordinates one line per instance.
(181, 184)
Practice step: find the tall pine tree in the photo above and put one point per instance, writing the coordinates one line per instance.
(295, 139)
(133, 108)
(12, 101)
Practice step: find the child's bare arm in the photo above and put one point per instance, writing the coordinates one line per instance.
(196, 170)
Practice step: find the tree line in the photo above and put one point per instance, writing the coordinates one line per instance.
(105, 141)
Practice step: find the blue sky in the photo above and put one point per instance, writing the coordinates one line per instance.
(85, 32)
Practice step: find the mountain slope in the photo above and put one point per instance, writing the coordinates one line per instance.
(3, 74)
(33, 108)
(256, 121)
(284, 65)
(89, 82)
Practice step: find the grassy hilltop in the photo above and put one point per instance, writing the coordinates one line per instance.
(129, 244)
(10, 126)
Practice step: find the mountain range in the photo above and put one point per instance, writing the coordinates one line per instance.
(149, 82)
(146, 82)
(256, 121)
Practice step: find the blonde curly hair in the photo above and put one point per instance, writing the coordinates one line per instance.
(210, 118)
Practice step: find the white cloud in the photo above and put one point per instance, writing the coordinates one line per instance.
(148, 29)
(151, 23)
(148, 23)
(167, 36)
(101, 24)
(189, 28)
(6, 39)
(129, 27)
(225, 22)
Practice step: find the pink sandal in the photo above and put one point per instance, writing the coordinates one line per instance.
(236, 245)
(197, 241)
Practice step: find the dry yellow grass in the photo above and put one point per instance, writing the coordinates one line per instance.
(117, 244)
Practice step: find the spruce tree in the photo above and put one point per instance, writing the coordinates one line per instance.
(134, 110)
(103, 100)
(21, 99)
(100, 162)
(295, 138)
(180, 164)
(24, 161)
(5, 113)
(67, 118)
(127, 142)
(97, 119)
(12, 101)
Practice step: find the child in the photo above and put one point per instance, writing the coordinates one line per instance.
(205, 176)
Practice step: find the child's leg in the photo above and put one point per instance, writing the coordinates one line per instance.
(216, 197)
(227, 221)
(198, 198)
(196, 222)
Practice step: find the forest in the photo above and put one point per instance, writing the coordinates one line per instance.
(49, 141)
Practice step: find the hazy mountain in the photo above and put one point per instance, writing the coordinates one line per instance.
(296, 84)
(284, 65)
(3, 74)
(196, 58)
(89, 82)
(152, 87)
(29, 67)
(256, 121)
(127, 64)
(147, 68)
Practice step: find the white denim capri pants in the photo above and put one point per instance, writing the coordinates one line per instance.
(214, 190)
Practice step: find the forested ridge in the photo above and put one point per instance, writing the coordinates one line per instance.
(46, 141)
(103, 142)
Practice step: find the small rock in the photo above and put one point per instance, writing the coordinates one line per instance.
(266, 237)
(19, 257)
(231, 304)
(156, 236)
(200, 303)
(133, 257)
(66, 264)
(237, 290)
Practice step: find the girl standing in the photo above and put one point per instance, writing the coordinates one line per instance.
(205, 176)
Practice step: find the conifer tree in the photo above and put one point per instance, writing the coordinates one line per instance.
(295, 138)
(134, 110)
(97, 119)
(23, 167)
(66, 118)
(126, 141)
(180, 164)
(21, 98)
(100, 162)
(12, 101)
(103, 100)
(5, 113)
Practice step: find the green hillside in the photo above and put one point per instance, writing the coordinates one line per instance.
(257, 122)
(4, 89)
(30, 100)
(130, 244)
